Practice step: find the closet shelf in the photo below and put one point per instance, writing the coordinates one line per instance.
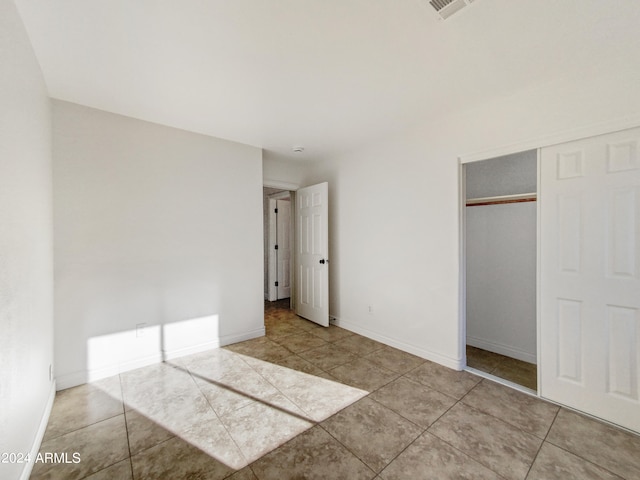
(498, 200)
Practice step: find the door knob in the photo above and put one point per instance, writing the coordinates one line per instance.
(323, 261)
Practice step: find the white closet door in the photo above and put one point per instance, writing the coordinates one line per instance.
(589, 282)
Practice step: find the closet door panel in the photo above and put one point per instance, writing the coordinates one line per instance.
(589, 286)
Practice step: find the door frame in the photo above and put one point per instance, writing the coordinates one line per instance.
(462, 305)
(564, 136)
(291, 189)
(272, 267)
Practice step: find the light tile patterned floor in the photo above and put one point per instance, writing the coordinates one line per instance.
(316, 403)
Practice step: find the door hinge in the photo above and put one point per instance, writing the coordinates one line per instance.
(276, 247)
(276, 284)
(276, 210)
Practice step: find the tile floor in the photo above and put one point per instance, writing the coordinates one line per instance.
(515, 371)
(321, 403)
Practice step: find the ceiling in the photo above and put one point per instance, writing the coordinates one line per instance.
(326, 74)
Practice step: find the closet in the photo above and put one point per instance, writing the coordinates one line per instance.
(500, 233)
(578, 245)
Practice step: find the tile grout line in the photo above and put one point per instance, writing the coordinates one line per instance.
(126, 426)
(281, 392)
(217, 416)
(576, 454)
(459, 401)
(324, 369)
(388, 378)
(346, 447)
(503, 420)
(423, 386)
(466, 454)
(80, 428)
(173, 437)
(535, 457)
(424, 430)
(126, 434)
(590, 462)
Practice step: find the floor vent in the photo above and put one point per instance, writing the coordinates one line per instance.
(446, 8)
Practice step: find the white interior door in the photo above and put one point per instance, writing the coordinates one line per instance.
(312, 255)
(589, 282)
(283, 248)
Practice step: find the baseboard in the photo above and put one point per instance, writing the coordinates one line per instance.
(37, 441)
(502, 349)
(230, 339)
(220, 342)
(85, 376)
(181, 352)
(454, 363)
(71, 379)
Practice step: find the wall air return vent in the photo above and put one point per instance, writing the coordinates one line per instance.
(446, 8)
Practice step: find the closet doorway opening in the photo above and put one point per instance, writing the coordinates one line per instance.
(500, 245)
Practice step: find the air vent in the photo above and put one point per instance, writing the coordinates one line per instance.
(446, 8)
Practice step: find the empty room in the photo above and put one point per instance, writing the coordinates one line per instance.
(320, 239)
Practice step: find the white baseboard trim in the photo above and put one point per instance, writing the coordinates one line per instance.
(85, 376)
(456, 364)
(37, 441)
(241, 337)
(220, 342)
(79, 378)
(71, 380)
(181, 352)
(505, 350)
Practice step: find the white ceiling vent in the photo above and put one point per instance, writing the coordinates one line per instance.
(446, 8)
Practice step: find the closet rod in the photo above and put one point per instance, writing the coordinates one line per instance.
(498, 200)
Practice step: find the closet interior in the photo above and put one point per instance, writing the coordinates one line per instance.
(500, 239)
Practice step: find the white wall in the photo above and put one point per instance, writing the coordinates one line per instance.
(26, 277)
(284, 173)
(394, 229)
(501, 279)
(393, 219)
(153, 226)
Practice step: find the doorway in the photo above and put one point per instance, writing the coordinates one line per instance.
(307, 264)
(278, 240)
(500, 231)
